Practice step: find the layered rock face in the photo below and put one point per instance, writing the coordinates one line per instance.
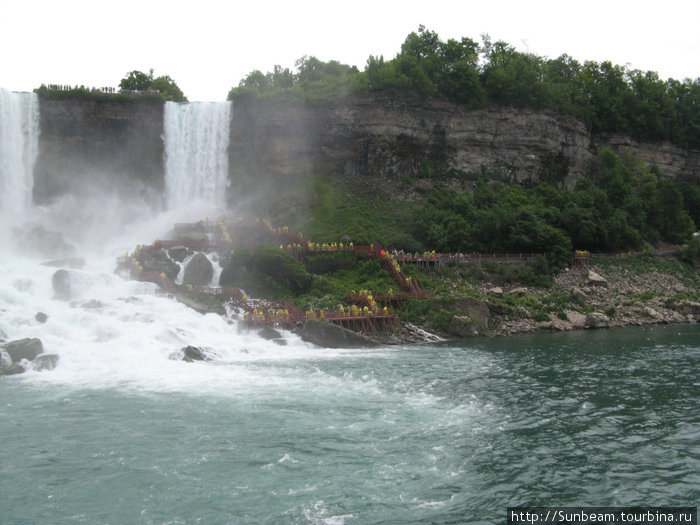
(95, 144)
(275, 141)
(675, 162)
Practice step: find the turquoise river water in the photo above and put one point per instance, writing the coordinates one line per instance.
(439, 433)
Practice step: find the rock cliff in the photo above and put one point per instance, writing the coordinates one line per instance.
(277, 143)
(112, 145)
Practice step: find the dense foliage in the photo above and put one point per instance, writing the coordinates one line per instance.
(606, 97)
(313, 78)
(164, 86)
(321, 280)
(627, 206)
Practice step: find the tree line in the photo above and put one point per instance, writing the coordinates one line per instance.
(606, 97)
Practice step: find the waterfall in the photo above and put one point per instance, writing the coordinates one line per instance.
(19, 138)
(196, 152)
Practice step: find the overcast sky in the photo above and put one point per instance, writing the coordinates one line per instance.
(207, 46)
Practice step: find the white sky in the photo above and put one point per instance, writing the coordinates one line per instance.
(207, 46)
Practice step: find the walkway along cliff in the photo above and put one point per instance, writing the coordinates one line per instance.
(363, 313)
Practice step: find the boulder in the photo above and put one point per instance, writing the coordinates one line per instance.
(13, 369)
(597, 320)
(41, 317)
(179, 253)
(198, 271)
(461, 326)
(192, 353)
(61, 284)
(578, 320)
(496, 291)
(596, 279)
(158, 261)
(269, 333)
(328, 335)
(45, 362)
(24, 349)
(474, 309)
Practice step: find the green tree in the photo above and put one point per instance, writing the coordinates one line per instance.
(674, 223)
(136, 81)
(164, 85)
(168, 89)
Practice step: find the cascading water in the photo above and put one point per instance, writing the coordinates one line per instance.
(19, 134)
(196, 152)
(278, 431)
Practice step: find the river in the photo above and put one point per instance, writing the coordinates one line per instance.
(439, 433)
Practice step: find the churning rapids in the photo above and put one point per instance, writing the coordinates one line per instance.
(119, 432)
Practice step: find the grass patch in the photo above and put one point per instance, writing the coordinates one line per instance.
(326, 212)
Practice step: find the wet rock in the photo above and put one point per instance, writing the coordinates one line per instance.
(193, 353)
(68, 262)
(27, 348)
(280, 341)
(158, 261)
(61, 284)
(597, 320)
(92, 304)
(201, 303)
(269, 333)
(329, 335)
(179, 253)
(198, 271)
(41, 317)
(13, 369)
(45, 362)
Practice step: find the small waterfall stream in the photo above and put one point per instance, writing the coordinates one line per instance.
(19, 138)
(196, 139)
